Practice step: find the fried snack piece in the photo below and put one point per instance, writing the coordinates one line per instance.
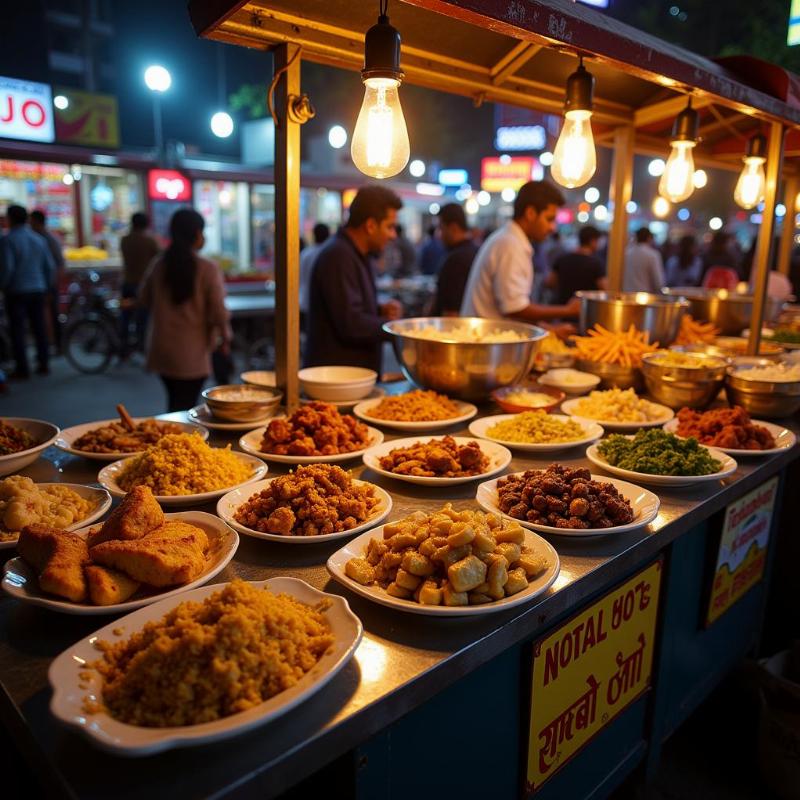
(175, 529)
(107, 586)
(59, 557)
(136, 515)
(157, 561)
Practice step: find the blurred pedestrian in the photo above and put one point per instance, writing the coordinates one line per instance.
(644, 270)
(27, 274)
(308, 256)
(721, 265)
(188, 319)
(431, 252)
(399, 258)
(138, 251)
(580, 270)
(685, 268)
(455, 266)
(39, 224)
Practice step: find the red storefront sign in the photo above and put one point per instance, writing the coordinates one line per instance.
(26, 110)
(168, 184)
(506, 172)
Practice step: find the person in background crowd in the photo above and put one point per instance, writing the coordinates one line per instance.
(39, 224)
(685, 268)
(188, 319)
(138, 250)
(644, 271)
(573, 272)
(501, 279)
(27, 274)
(308, 255)
(400, 258)
(431, 252)
(454, 271)
(345, 318)
(721, 265)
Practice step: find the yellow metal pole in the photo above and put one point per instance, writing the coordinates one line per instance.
(287, 227)
(620, 194)
(788, 226)
(764, 243)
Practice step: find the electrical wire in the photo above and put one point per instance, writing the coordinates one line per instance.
(383, 8)
(275, 78)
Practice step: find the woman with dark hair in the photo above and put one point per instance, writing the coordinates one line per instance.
(685, 268)
(188, 319)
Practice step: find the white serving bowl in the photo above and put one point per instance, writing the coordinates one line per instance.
(43, 433)
(336, 384)
(258, 377)
(558, 379)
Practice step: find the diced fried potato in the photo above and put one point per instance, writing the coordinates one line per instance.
(478, 598)
(430, 594)
(484, 542)
(401, 540)
(392, 560)
(428, 547)
(407, 580)
(360, 570)
(509, 550)
(466, 574)
(421, 534)
(453, 554)
(461, 533)
(487, 558)
(392, 528)
(496, 577)
(451, 597)
(516, 582)
(449, 511)
(513, 533)
(440, 526)
(483, 588)
(493, 521)
(532, 563)
(396, 590)
(376, 549)
(417, 564)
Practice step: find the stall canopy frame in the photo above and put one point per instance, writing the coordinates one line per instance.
(520, 53)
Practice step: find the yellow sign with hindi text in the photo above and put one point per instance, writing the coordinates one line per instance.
(589, 670)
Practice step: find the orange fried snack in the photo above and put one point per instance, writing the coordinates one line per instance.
(439, 458)
(107, 586)
(134, 517)
(59, 558)
(175, 529)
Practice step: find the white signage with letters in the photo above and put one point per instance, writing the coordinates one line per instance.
(26, 111)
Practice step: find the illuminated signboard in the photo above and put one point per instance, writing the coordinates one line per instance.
(508, 172)
(89, 119)
(793, 36)
(453, 177)
(26, 110)
(168, 184)
(520, 137)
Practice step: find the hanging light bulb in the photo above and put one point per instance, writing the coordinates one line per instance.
(750, 187)
(677, 180)
(574, 158)
(380, 140)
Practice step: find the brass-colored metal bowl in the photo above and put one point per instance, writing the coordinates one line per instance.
(762, 398)
(678, 386)
(233, 410)
(612, 376)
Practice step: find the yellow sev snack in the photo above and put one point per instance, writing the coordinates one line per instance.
(204, 661)
(536, 427)
(182, 463)
(617, 405)
(612, 347)
(416, 406)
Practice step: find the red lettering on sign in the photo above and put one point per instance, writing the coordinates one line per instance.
(10, 113)
(30, 109)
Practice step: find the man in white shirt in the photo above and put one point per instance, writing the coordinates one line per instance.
(644, 270)
(501, 278)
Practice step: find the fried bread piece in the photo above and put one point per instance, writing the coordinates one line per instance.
(175, 529)
(134, 517)
(107, 586)
(153, 560)
(59, 558)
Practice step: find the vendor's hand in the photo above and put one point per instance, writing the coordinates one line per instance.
(563, 330)
(392, 310)
(573, 307)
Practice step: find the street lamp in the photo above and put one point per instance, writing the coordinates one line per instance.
(222, 124)
(158, 81)
(61, 102)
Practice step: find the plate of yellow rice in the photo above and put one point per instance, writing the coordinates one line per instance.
(536, 431)
(181, 469)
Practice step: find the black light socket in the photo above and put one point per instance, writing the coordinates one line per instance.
(757, 147)
(382, 51)
(686, 124)
(580, 90)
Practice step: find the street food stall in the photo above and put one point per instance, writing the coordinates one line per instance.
(548, 649)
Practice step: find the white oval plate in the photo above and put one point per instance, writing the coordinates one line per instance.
(19, 578)
(592, 430)
(67, 703)
(108, 477)
(468, 411)
(202, 416)
(100, 497)
(228, 505)
(38, 428)
(784, 438)
(499, 459)
(251, 442)
(644, 503)
(356, 548)
(69, 436)
(729, 466)
(568, 407)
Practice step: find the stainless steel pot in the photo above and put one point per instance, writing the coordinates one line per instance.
(728, 311)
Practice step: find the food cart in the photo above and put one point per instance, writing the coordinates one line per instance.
(564, 697)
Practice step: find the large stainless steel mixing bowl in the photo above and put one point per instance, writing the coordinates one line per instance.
(695, 383)
(728, 311)
(660, 316)
(467, 370)
(762, 398)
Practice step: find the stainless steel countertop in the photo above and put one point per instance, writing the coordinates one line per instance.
(403, 659)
